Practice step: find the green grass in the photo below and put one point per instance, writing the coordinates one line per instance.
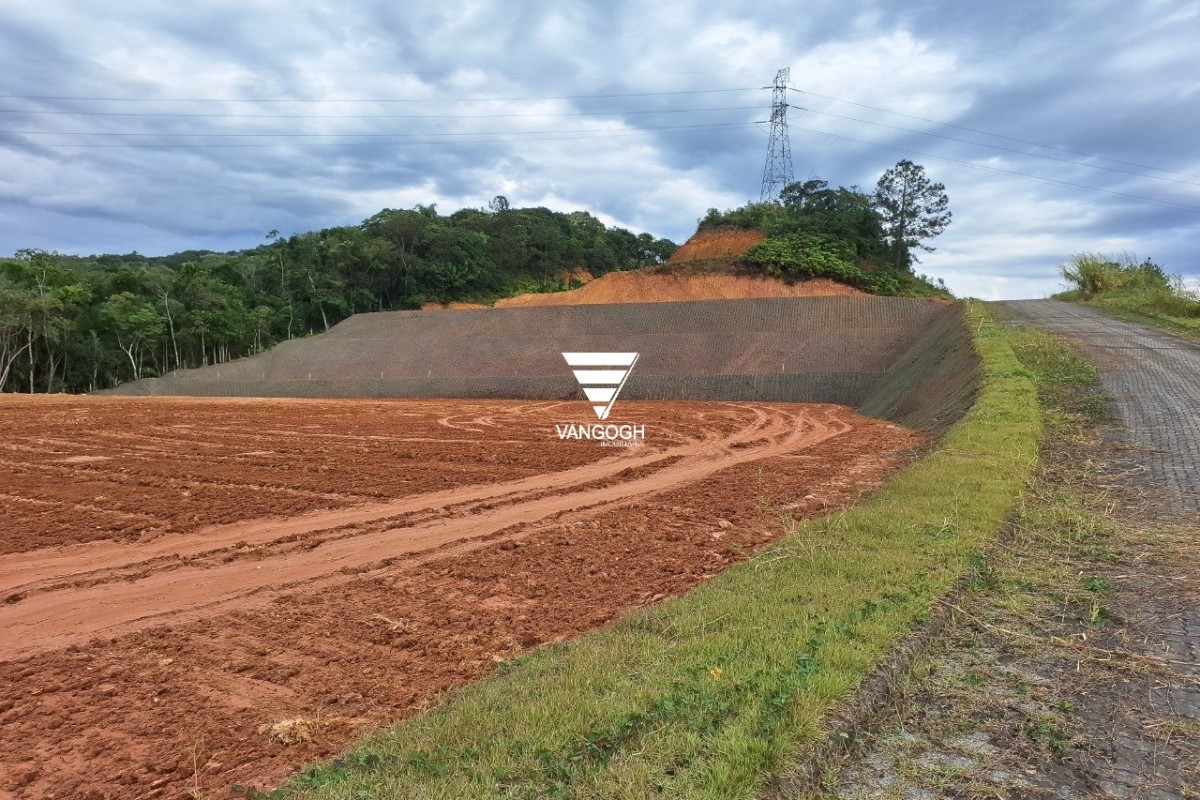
(1151, 307)
(706, 695)
(1068, 387)
(1127, 288)
(1053, 637)
(1007, 664)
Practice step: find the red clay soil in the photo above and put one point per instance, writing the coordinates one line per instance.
(181, 574)
(644, 286)
(717, 244)
(702, 269)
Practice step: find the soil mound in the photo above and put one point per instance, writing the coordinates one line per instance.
(717, 244)
(702, 269)
(662, 286)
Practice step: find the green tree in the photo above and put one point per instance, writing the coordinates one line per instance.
(843, 213)
(134, 323)
(84, 322)
(15, 322)
(914, 209)
(50, 290)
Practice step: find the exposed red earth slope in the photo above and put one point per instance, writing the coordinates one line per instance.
(704, 268)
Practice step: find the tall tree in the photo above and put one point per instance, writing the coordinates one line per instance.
(914, 209)
(15, 322)
(134, 322)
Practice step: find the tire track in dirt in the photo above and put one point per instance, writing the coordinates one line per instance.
(34, 622)
(24, 572)
(20, 572)
(179, 708)
(66, 472)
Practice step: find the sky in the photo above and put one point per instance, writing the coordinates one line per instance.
(159, 126)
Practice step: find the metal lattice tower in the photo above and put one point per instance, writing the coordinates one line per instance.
(778, 170)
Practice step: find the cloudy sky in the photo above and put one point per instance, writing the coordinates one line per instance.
(162, 126)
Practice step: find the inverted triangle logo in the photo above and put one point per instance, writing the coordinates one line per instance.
(602, 376)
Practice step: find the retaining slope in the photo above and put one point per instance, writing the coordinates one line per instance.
(905, 359)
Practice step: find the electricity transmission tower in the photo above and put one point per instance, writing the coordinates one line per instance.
(777, 173)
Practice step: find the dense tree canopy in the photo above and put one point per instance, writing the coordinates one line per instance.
(866, 240)
(81, 323)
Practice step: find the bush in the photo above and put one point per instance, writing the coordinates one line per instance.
(923, 286)
(1096, 273)
(813, 255)
(753, 216)
(1126, 286)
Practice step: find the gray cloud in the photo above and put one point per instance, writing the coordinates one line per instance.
(291, 136)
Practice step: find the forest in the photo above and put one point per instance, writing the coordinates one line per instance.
(81, 323)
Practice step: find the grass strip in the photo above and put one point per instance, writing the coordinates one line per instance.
(706, 695)
(993, 707)
(1139, 291)
(1143, 306)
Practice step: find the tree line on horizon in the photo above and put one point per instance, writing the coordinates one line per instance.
(81, 323)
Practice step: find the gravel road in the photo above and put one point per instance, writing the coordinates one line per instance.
(1154, 379)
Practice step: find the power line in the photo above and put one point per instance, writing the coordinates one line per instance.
(973, 165)
(391, 142)
(61, 98)
(323, 71)
(1007, 149)
(192, 115)
(344, 135)
(989, 133)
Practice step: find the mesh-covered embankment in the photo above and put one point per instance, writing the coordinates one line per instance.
(905, 359)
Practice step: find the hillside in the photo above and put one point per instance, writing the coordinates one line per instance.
(84, 323)
(706, 267)
(722, 245)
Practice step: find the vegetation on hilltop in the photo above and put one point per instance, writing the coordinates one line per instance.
(72, 323)
(866, 240)
(1134, 289)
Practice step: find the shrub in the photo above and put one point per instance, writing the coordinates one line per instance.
(814, 255)
(1126, 286)
(1096, 273)
(753, 216)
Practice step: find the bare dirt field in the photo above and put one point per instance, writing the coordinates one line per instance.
(180, 575)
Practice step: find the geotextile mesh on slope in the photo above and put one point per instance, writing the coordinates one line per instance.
(902, 358)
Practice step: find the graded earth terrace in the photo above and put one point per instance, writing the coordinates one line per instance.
(207, 592)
